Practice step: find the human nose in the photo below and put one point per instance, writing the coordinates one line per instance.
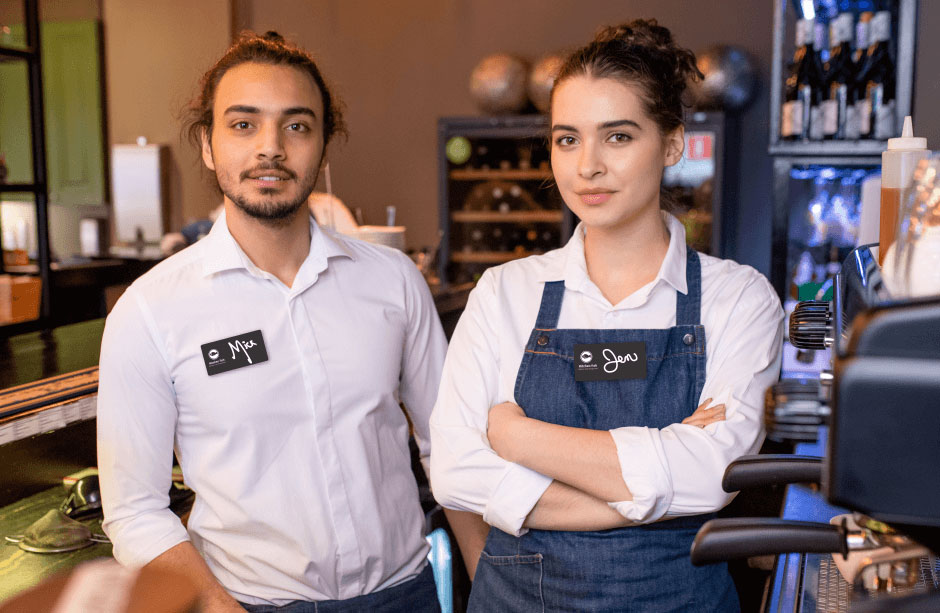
(590, 163)
(270, 144)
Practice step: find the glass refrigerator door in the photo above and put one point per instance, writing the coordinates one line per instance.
(825, 206)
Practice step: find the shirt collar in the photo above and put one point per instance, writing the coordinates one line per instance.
(224, 253)
(572, 267)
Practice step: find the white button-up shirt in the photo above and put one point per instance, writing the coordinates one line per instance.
(300, 463)
(671, 471)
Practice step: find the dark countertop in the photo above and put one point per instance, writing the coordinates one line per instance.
(20, 569)
(39, 355)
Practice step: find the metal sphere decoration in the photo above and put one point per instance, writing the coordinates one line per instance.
(542, 79)
(498, 84)
(730, 78)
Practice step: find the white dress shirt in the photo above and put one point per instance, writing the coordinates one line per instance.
(671, 471)
(300, 463)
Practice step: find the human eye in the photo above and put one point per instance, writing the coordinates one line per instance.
(241, 124)
(566, 140)
(297, 126)
(619, 137)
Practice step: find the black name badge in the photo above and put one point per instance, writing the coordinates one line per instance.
(234, 352)
(609, 361)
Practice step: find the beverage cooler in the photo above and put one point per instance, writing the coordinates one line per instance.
(498, 201)
(842, 83)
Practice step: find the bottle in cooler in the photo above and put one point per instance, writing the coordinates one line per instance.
(877, 82)
(802, 85)
(840, 78)
(819, 91)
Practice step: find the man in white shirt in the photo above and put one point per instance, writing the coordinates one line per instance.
(272, 355)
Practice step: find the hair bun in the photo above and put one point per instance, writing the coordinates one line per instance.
(273, 36)
(649, 36)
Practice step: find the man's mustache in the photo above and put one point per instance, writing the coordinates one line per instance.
(289, 174)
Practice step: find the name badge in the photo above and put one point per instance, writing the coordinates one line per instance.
(234, 352)
(609, 361)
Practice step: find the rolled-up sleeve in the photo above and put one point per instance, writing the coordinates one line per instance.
(136, 427)
(466, 474)
(677, 470)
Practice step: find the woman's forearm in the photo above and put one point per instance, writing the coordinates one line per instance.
(584, 459)
(563, 507)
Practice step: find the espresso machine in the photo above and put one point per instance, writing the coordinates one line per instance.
(880, 403)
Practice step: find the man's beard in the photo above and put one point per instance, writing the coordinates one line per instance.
(271, 212)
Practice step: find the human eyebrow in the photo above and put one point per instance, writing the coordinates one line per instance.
(619, 123)
(563, 128)
(240, 108)
(299, 110)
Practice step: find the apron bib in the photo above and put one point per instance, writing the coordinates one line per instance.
(638, 568)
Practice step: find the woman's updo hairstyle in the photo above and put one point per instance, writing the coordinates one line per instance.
(644, 54)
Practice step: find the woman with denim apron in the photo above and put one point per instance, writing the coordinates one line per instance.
(575, 412)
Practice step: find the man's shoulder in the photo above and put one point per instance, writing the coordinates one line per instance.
(376, 258)
(181, 270)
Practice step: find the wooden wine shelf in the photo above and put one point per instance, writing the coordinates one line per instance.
(487, 257)
(512, 174)
(510, 217)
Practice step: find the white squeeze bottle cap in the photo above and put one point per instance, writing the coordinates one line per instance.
(902, 155)
(907, 140)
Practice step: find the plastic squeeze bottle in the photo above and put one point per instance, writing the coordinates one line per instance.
(897, 168)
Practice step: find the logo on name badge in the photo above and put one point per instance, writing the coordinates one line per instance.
(610, 361)
(234, 352)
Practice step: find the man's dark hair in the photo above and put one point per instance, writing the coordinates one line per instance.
(270, 48)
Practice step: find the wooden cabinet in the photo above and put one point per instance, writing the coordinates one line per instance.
(72, 109)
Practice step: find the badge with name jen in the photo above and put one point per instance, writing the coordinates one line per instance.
(234, 352)
(609, 361)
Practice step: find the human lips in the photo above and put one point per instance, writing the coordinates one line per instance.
(594, 196)
(268, 175)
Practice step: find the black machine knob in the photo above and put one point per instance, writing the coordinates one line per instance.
(720, 540)
(811, 325)
(794, 410)
(770, 469)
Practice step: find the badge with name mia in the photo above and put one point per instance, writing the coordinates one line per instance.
(609, 361)
(234, 352)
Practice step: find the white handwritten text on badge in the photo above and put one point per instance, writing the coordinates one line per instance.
(234, 352)
(610, 361)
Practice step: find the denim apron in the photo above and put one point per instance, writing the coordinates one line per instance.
(638, 568)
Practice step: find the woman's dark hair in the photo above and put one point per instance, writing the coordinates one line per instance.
(270, 48)
(644, 54)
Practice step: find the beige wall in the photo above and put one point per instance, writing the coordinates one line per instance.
(155, 52)
(400, 65)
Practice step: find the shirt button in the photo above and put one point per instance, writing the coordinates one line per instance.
(542, 340)
(688, 339)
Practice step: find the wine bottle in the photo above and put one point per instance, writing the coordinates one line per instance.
(840, 76)
(820, 94)
(877, 79)
(804, 77)
(857, 94)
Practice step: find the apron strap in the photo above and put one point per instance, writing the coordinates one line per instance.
(551, 305)
(689, 305)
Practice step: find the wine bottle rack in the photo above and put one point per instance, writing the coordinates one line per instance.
(497, 200)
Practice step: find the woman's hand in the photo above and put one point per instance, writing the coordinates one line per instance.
(705, 415)
(500, 427)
